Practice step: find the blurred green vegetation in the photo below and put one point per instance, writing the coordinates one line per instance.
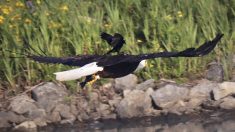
(70, 27)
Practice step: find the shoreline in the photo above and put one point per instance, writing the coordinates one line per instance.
(51, 103)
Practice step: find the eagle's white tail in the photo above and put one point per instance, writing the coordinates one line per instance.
(77, 73)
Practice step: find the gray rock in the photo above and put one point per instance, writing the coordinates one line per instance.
(49, 95)
(145, 85)
(203, 89)
(226, 126)
(83, 109)
(215, 72)
(103, 107)
(210, 104)
(114, 102)
(109, 116)
(168, 95)
(68, 121)
(27, 125)
(228, 103)
(10, 117)
(74, 109)
(194, 103)
(137, 103)
(37, 113)
(41, 122)
(95, 115)
(64, 111)
(94, 96)
(149, 91)
(233, 60)
(178, 107)
(127, 82)
(233, 76)
(126, 92)
(54, 116)
(83, 116)
(22, 104)
(224, 89)
(4, 122)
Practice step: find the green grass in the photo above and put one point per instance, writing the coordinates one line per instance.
(70, 27)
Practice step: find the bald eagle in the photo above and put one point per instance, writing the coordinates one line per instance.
(113, 66)
(116, 41)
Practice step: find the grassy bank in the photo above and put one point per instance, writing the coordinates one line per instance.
(70, 27)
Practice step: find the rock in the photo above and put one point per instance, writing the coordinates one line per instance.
(83, 109)
(149, 91)
(114, 102)
(168, 95)
(41, 122)
(215, 72)
(126, 92)
(228, 103)
(26, 125)
(4, 123)
(163, 82)
(95, 115)
(127, 82)
(48, 95)
(83, 116)
(203, 89)
(178, 107)
(110, 116)
(233, 60)
(54, 116)
(137, 103)
(210, 104)
(22, 104)
(233, 76)
(224, 89)
(108, 90)
(37, 113)
(10, 117)
(94, 96)
(145, 85)
(194, 103)
(103, 107)
(74, 109)
(38, 116)
(68, 121)
(64, 111)
(226, 126)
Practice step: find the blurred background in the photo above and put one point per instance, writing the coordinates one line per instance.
(71, 27)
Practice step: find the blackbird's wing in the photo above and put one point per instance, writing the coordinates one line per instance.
(117, 42)
(107, 37)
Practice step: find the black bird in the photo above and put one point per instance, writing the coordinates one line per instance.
(116, 41)
(95, 66)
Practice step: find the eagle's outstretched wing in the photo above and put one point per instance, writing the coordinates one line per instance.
(107, 60)
(79, 60)
(202, 50)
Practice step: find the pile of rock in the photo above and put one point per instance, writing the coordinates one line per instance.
(122, 98)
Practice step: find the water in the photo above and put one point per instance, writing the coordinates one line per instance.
(220, 121)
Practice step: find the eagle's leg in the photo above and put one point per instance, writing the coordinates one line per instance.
(89, 80)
